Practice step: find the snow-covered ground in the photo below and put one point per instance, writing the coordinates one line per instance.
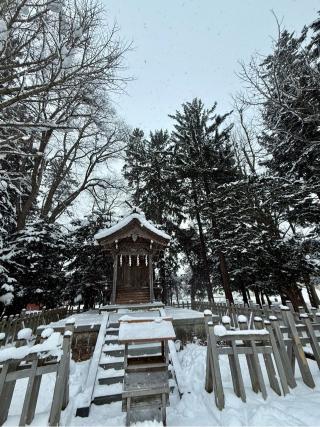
(197, 407)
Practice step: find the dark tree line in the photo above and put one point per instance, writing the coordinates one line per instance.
(242, 201)
(58, 135)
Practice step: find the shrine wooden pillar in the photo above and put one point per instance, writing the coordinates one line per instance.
(151, 278)
(114, 281)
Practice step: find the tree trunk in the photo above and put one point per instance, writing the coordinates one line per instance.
(313, 296)
(244, 294)
(203, 246)
(294, 295)
(248, 295)
(36, 178)
(262, 299)
(257, 296)
(268, 299)
(225, 277)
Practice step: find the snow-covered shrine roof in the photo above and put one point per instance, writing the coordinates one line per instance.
(108, 232)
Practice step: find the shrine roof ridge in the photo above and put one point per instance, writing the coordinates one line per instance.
(125, 221)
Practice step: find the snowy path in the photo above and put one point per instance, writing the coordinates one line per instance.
(196, 408)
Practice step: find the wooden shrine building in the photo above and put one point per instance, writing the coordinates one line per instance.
(135, 244)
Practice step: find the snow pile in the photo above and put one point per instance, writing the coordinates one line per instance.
(242, 319)
(25, 334)
(50, 347)
(46, 333)
(225, 319)
(220, 331)
(6, 298)
(155, 330)
(197, 407)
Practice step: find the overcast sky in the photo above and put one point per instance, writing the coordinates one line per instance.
(191, 48)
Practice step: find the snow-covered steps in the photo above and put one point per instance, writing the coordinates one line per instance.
(110, 376)
(111, 339)
(104, 393)
(111, 362)
(113, 331)
(137, 350)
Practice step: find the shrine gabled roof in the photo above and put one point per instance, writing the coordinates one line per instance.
(125, 222)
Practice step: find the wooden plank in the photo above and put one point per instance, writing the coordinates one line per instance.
(238, 376)
(217, 385)
(273, 381)
(257, 368)
(85, 398)
(6, 390)
(29, 395)
(283, 352)
(277, 358)
(313, 339)
(144, 319)
(250, 363)
(59, 389)
(177, 368)
(298, 350)
(35, 392)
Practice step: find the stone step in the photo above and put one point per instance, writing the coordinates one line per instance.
(104, 394)
(112, 365)
(111, 380)
(112, 331)
(133, 352)
(114, 325)
(105, 400)
(110, 376)
(111, 339)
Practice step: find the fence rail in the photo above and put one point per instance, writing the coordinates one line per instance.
(250, 311)
(10, 325)
(52, 354)
(282, 340)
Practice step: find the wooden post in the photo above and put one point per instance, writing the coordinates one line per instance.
(283, 352)
(312, 337)
(243, 324)
(271, 372)
(69, 327)
(151, 278)
(215, 369)
(59, 389)
(277, 358)
(30, 394)
(207, 314)
(114, 281)
(6, 390)
(298, 349)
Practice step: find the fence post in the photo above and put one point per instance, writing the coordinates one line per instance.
(277, 359)
(271, 372)
(214, 369)
(243, 324)
(62, 377)
(70, 325)
(298, 349)
(207, 318)
(313, 339)
(283, 352)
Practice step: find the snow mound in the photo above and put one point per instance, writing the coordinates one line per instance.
(226, 319)
(25, 334)
(46, 333)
